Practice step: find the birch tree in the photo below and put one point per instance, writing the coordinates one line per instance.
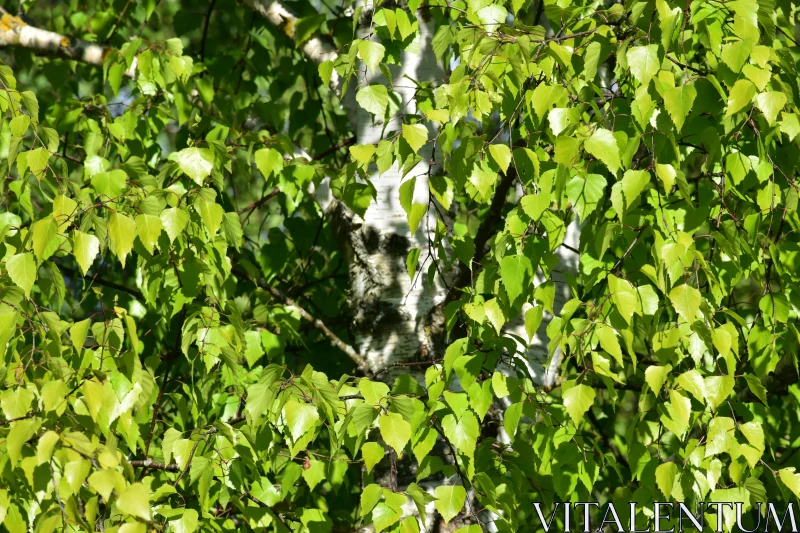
(401, 267)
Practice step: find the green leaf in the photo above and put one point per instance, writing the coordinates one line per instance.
(667, 174)
(517, 273)
(85, 247)
(16, 403)
(187, 523)
(326, 71)
(54, 396)
(269, 161)
(643, 62)
(501, 154)
(756, 387)
(232, 229)
(122, 231)
(679, 102)
(495, 314)
(416, 135)
(388, 512)
(370, 496)
(174, 221)
(135, 501)
(790, 125)
(373, 391)
(19, 125)
(196, 163)
(770, 103)
(686, 300)
(449, 500)
(44, 231)
(754, 434)
(362, 153)
(22, 271)
(624, 297)
(21, 432)
(692, 382)
(421, 499)
(210, 213)
(395, 431)
(371, 54)
(603, 146)
(64, 210)
(656, 376)
(741, 95)
(37, 161)
(305, 27)
(462, 432)
(104, 482)
(372, 452)
(300, 418)
(577, 400)
(374, 99)
(720, 435)
(586, 193)
(110, 184)
(718, 389)
(666, 474)
(533, 319)
(791, 479)
(483, 179)
(628, 190)
(412, 259)
(148, 228)
(609, 342)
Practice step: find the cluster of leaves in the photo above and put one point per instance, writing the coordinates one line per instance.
(157, 371)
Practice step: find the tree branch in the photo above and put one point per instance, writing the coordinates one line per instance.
(105, 283)
(154, 465)
(357, 358)
(258, 203)
(16, 32)
(485, 232)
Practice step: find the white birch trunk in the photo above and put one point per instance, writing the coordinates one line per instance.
(390, 309)
(16, 32)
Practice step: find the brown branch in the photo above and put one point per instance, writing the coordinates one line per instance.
(260, 202)
(485, 232)
(633, 243)
(106, 283)
(332, 149)
(205, 30)
(683, 65)
(357, 358)
(174, 467)
(170, 365)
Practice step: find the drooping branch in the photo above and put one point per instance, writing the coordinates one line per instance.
(16, 32)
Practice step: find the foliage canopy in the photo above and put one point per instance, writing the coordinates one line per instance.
(176, 293)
